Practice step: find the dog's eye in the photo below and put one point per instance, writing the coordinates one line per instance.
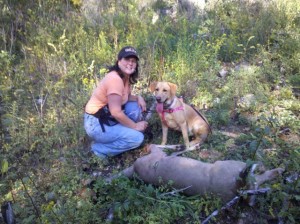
(156, 89)
(164, 90)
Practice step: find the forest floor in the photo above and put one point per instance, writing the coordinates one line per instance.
(243, 214)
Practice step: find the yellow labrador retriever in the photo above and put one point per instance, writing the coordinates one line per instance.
(179, 116)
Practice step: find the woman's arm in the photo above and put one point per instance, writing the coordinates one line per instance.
(140, 100)
(114, 104)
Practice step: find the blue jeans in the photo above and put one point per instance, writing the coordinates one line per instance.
(116, 139)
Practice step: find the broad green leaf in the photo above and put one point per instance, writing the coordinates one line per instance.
(253, 145)
(4, 167)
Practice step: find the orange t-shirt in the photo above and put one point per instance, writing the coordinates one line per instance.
(110, 84)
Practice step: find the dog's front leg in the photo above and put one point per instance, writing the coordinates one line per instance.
(185, 135)
(164, 134)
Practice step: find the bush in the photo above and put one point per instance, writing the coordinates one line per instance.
(53, 55)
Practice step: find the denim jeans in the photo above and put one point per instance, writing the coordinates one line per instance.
(116, 139)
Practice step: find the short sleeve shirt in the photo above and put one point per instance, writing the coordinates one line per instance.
(110, 84)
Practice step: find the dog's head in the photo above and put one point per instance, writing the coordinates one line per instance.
(164, 92)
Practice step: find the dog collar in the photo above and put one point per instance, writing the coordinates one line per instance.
(169, 110)
(167, 106)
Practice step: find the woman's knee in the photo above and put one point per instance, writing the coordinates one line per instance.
(140, 138)
(134, 140)
(133, 111)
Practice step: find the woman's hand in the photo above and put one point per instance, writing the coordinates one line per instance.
(141, 102)
(115, 102)
(141, 126)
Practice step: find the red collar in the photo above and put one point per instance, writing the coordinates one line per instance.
(170, 110)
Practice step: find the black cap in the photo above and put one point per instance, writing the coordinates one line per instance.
(127, 52)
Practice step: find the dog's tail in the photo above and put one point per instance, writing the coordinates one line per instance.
(203, 117)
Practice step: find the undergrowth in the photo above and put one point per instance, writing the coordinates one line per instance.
(54, 52)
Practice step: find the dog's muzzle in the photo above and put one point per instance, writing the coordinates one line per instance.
(158, 99)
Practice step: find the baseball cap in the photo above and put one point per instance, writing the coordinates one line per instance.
(127, 52)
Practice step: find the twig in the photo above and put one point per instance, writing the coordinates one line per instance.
(174, 147)
(285, 130)
(255, 192)
(37, 188)
(228, 205)
(175, 191)
(110, 215)
(235, 200)
(32, 202)
(255, 187)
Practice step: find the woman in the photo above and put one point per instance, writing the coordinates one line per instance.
(113, 115)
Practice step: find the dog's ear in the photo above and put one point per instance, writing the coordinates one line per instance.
(152, 86)
(173, 88)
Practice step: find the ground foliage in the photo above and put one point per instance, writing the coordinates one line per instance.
(52, 54)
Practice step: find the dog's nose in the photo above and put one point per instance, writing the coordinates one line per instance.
(158, 99)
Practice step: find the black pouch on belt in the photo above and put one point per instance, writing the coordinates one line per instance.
(105, 117)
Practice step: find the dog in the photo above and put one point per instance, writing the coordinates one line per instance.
(222, 178)
(177, 115)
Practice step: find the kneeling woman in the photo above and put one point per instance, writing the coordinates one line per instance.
(112, 116)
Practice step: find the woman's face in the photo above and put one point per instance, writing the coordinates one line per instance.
(127, 65)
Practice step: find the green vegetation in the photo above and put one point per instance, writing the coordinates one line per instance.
(52, 54)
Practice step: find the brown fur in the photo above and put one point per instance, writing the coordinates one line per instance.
(221, 178)
(188, 121)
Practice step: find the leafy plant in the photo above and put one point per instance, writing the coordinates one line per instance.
(54, 53)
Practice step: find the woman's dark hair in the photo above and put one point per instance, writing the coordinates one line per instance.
(132, 78)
